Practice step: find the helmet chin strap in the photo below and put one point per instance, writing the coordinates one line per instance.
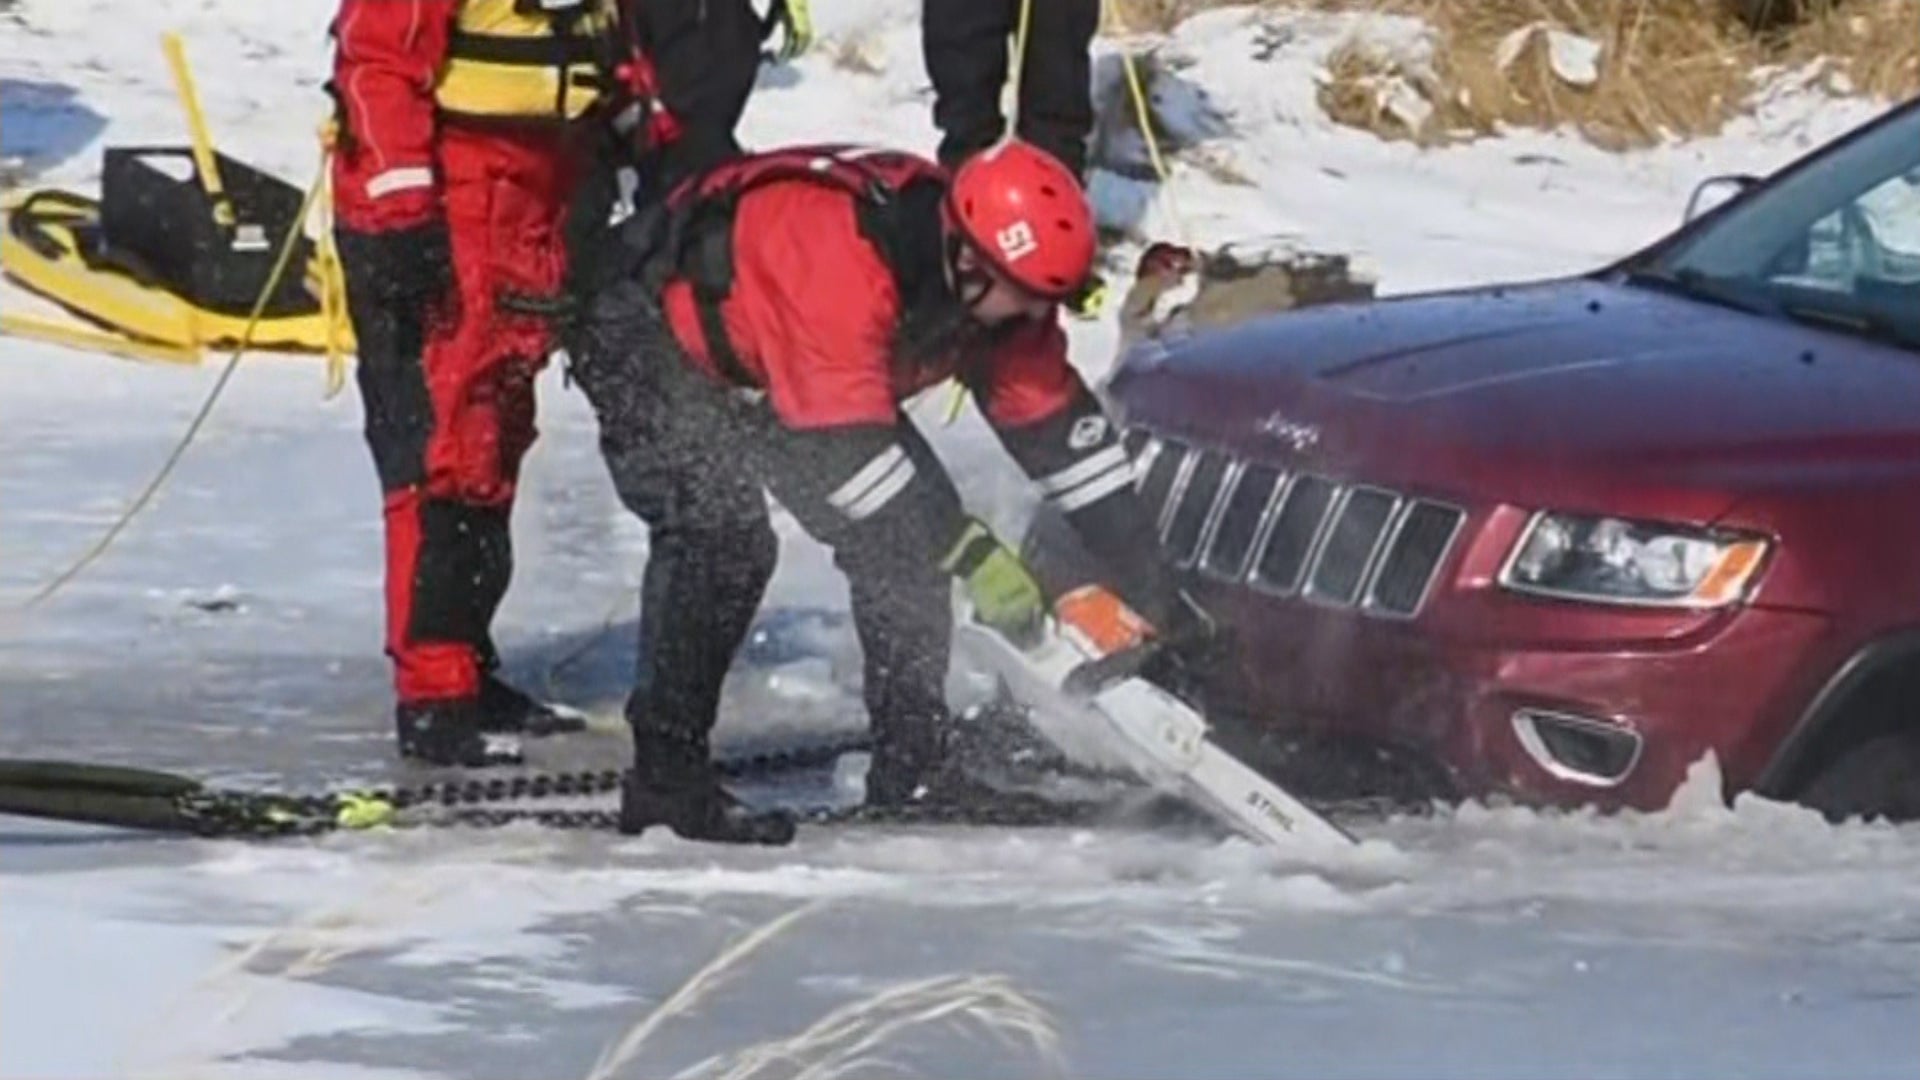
(970, 285)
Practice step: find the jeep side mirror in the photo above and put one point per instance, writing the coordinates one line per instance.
(1717, 190)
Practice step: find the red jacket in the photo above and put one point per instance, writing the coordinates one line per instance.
(388, 55)
(388, 58)
(808, 261)
(812, 315)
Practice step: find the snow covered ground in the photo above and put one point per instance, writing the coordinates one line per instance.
(233, 632)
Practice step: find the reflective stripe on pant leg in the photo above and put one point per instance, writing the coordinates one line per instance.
(890, 553)
(902, 609)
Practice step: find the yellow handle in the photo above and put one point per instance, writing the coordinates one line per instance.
(203, 158)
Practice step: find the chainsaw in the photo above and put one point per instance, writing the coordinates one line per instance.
(1080, 677)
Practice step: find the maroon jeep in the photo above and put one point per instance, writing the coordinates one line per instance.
(1559, 540)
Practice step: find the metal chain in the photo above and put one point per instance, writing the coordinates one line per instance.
(215, 812)
(474, 802)
(593, 820)
(498, 789)
(1014, 814)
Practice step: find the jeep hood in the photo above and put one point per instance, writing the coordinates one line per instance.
(1570, 391)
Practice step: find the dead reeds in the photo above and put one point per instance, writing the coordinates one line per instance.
(1621, 73)
(848, 1040)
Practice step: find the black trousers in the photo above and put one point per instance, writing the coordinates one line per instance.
(966, 44)
(694, 460)
(706, 54)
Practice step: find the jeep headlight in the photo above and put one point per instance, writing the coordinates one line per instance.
(1607, 560)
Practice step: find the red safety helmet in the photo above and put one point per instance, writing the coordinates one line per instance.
(1025, 214)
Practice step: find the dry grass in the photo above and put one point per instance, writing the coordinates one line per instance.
(1152, 16)
(311, 944)
(1664, 68)
(850, 1038)
(1874, 45)
(696, 989)
(860, 52)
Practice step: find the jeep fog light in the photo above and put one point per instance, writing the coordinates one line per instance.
(1578, 748)
(1611, 561)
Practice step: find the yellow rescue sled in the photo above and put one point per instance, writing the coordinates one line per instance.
(185, 249)
(149, 261)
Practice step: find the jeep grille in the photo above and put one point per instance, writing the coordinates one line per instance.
(1293, 534)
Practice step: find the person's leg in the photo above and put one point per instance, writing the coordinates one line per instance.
(446, 537)
(665, 436)
(902, 605)
(533, 180)
(903, 613)
(1056, 81)
(964, 45)
(706, 54)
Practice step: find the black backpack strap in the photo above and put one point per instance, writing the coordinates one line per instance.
(904, 228)
(701, 247)
(698, 246)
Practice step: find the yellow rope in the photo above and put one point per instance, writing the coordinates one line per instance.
(206, 407)
(1019, 63)
(1010, 99)
(1143, 116)
(209, 176)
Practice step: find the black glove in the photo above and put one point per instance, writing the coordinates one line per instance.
(398, 268)
(1193, 647)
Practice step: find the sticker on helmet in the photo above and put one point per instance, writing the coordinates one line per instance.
(1016, 241)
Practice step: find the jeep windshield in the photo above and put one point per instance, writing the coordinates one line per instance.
(1836, 243)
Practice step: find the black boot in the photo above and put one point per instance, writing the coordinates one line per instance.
(673, 785)
(506, 708)
(904, 759)
(945, 786)
(916, 765)
(449, 733)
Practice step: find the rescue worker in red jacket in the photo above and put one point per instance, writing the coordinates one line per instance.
(781, 309)
(463, 127)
